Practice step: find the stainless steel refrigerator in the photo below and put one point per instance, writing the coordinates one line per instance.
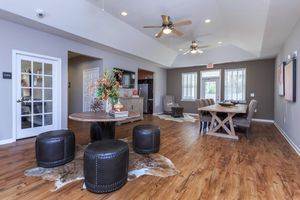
(146, 91)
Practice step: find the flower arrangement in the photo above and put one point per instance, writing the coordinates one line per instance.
(108, 87)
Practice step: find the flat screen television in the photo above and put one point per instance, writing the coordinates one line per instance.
(127, 79)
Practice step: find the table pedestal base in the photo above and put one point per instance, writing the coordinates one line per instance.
(102, 131)
(222, 124)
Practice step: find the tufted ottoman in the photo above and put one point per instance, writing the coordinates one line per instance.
(146, 138)
(106, 165)
(54, 148)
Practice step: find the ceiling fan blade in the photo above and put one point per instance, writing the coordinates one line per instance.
(158, 35)
(177, 32)
(186, 52)
(165, 19)
(204, 46)
(183, 23)
(152, 26)
(199, 51)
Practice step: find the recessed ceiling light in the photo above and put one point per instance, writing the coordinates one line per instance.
(180, 49)
(207, 21)
(124, 13)
(220, 42)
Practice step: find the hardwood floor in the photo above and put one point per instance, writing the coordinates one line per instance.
(265, 167)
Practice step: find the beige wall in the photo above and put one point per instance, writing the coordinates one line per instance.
(259, 80)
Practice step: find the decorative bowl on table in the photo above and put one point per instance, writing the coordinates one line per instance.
(234, 102)
(226, 104)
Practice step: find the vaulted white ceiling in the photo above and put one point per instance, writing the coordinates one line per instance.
(249, 29)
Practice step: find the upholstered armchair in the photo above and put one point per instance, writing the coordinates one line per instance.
(169, 102)
(245, 122)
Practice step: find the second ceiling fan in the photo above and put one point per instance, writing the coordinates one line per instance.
(168, 26)
(195, 48)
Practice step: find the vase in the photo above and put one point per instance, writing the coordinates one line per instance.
(108, 105)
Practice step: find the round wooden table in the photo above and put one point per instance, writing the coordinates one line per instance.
(103, 125)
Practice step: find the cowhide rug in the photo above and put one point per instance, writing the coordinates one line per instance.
(185, 118)
(139, 165)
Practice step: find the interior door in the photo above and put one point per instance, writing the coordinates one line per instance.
(210, 88)
(36, 93)
(90, 77)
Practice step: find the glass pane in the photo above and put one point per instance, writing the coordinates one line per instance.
(26, 93)
(37, 81)
(48, 107)
(37, 68)
(26, 122)
(37, 120)
(210, 73)
(47, 69)
(37, 94)
(210, 90)
(26, 108)
(48, 81)
(25, 66)
(37, 107)
(25, 80)
(48, 120)
(48, 94)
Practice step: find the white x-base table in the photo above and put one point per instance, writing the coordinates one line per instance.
(230, 111)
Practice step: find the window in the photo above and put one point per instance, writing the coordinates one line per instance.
(189, 86)
(235, 84)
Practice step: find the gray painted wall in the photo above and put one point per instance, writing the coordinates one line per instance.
(15, 36)
(75, 72)
(259, 80)
(287, 114)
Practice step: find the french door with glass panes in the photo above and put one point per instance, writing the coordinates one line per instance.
(211, 88)
(36, 95)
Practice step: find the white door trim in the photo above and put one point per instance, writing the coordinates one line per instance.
(15, 53)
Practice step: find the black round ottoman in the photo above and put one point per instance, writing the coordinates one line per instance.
(106, 165)
(146, 138)
(54, 148)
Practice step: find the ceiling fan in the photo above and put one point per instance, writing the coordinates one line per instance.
(168, 26)
(195, 48)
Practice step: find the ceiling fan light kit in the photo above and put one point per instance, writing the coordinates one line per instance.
(194, 51)
(167, 30)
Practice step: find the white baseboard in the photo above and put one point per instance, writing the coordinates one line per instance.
(294, 146)
(158, 113)
(7, 141)
(263, 120)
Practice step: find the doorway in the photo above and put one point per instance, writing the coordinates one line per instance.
(210, 85)
(145, 89)
(36, 94)
(83, 73)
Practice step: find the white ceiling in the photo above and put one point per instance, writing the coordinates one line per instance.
(258, 27)
(249, 29)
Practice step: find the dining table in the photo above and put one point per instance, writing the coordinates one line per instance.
(226, 122)
(102, 123)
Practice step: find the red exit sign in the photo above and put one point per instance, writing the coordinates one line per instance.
(210, 66)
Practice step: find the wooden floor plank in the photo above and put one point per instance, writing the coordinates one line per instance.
(264, 167)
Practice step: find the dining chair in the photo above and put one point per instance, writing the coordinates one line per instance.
(211, 101)
(245, 122)
(204, 117)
